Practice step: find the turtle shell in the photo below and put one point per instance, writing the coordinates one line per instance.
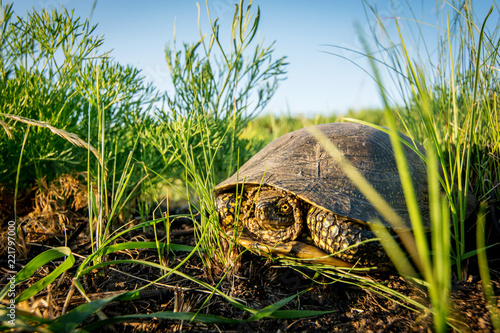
(297, 163)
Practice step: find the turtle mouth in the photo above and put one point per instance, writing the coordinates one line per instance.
(272, 225)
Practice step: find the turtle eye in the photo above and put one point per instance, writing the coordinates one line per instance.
(285, 208)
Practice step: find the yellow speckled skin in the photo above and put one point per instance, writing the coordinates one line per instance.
(346, 238)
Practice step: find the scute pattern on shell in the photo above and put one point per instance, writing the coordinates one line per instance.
(296, 162)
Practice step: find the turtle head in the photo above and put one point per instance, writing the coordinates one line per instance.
(273, 215)
(273, 211)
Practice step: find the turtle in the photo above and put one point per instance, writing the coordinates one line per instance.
(292, 196)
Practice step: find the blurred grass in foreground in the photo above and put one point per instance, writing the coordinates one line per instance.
(449, 104)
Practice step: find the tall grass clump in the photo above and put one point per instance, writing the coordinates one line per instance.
(220, 84)
(450, 99)
(55, 79)
(449, 95)
(38, 65)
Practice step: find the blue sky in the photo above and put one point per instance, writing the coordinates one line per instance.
(316, 82)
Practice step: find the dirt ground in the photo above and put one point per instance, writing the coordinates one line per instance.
(257, 283)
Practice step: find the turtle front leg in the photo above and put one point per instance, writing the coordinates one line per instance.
(229, 206)
(336, 234)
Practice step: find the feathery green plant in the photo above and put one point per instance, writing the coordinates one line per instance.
(54, 77)
(47, 66)
(39, 55)
(217, 90)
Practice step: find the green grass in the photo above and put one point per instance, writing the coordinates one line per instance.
(218, 90)
(456, 119)
(56, 45)
(452, 109)
(101, 118)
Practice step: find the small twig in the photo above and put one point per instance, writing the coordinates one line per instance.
(68, 298)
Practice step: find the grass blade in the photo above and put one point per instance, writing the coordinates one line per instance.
(484, 272)
(34, 265)
(75, 317)
(70, 137)
(271, 309)
(187, 316)
(24, 321)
